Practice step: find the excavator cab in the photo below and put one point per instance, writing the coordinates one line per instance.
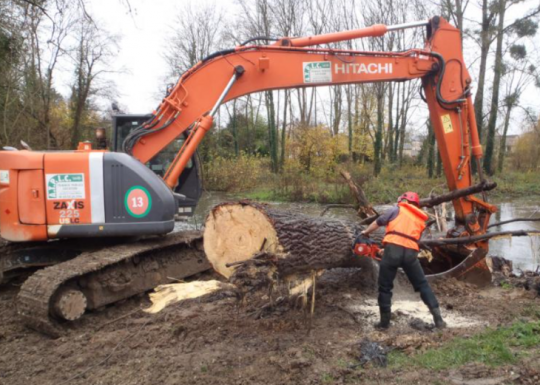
(190, 181)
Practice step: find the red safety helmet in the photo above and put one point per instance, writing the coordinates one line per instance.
(411, 196)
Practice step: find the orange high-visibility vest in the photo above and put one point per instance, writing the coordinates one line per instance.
(406, 229)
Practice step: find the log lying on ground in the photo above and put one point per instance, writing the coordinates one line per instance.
(238, 231)
(286, 245)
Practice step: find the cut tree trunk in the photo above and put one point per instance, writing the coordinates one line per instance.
(277, 244)
(298, 243)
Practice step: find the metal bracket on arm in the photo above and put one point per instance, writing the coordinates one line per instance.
(203, 125)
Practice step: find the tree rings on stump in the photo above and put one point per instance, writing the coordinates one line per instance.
(236, 232)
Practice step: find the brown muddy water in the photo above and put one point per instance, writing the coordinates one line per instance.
(523, 251)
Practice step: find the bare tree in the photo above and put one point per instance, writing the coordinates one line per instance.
(519, 75)
(91, 55)
(195, 35)
(502, 29)
(46, 38)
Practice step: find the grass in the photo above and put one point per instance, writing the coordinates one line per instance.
(252, 176)
(517, 184)
(531, 311)
(493, 348)
(327, 378)
(261, 195)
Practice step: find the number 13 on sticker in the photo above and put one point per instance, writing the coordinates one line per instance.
(138, 202)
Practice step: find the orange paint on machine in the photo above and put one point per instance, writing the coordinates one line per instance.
(67, 184)
(40, 191)
(22, 205)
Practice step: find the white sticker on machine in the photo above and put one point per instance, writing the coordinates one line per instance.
(4, 176)
(65, 186)
(318, 72)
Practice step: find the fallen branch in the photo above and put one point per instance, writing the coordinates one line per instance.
(364, 208)
(477, 238)
(459, 193)
(514, 220)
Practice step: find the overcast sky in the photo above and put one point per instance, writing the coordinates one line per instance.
(143, 33)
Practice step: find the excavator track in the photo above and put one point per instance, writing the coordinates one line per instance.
(56, 294)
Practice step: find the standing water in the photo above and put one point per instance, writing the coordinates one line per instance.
(524, 252)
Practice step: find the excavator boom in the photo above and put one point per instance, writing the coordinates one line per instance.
(294, 63)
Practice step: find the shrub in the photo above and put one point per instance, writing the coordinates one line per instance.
(235, 174)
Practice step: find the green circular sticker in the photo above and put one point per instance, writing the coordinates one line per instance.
(138, 202)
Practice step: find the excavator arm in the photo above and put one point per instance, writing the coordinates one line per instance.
(294, 63)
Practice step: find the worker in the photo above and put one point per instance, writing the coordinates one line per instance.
(404, 226)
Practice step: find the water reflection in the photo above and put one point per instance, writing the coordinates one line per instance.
(523, 251)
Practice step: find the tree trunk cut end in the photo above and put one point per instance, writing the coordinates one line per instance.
(236, 232)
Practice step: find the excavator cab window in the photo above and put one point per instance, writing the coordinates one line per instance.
(189, 182)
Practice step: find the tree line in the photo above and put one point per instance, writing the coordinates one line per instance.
(38, 38)
(319, 126)
(500, 47)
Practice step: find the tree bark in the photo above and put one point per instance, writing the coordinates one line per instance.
(350, 120)
(485, 43)
(502, 144)
(390, 123)
(459, 193)
(234, 131)
(237, 231)
(379, 130)
(478, 238)
(513, 220)
(498, 70)
(272, 131)
(284, 131)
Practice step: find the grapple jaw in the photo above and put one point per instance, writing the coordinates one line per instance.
(472, 269)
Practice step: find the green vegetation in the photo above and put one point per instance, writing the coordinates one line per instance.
(327, 378)
(496, 347)
(531, 311)
(252, 176)
(515, 183)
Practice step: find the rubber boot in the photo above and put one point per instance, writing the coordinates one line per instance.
(437, 318)
(385, 320)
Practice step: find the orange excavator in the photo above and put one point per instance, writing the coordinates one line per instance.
(98, 217)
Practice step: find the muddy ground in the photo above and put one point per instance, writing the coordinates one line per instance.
(223, 342)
